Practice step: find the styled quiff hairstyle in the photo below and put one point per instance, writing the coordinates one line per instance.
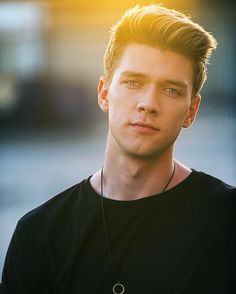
(164, 28)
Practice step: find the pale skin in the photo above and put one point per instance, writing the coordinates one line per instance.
(148, 100)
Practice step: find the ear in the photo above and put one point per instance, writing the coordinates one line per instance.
(193, 110)
(103, 89)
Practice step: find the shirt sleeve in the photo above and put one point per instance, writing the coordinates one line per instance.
(22, 273)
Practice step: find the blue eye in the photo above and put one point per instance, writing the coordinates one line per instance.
(132, 83)
(172, 92)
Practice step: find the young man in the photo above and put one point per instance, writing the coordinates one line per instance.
(144, 223)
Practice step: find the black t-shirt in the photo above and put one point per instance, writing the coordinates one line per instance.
(187, 245)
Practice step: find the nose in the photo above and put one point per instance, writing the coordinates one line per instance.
(148, 103)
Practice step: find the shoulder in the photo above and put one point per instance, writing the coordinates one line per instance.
(206, 192)
(42, 241)
(214, 194)
(213, 185)
(58, 211)
(201, 183)
(53, 205)
(206, 201)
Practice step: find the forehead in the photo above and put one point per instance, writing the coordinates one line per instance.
(155, 63)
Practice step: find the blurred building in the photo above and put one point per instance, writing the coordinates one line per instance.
(51, 58)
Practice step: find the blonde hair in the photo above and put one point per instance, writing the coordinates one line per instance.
(155, 25)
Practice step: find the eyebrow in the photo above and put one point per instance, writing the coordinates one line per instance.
(175, 82)
(164, 81)
(132, 74)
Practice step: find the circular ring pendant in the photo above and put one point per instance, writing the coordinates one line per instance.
(118, 288)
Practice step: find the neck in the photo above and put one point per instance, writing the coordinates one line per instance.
(134, 181)
(129, 178)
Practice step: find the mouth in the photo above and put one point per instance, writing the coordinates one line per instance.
(144, 127)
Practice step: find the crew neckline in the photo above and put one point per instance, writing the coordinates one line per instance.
(191, 179)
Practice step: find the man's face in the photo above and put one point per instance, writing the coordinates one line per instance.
(148, 100)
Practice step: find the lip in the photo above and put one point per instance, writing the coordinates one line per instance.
(144, 127)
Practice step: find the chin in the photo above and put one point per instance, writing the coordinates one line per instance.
(143, 154)
(148, 152)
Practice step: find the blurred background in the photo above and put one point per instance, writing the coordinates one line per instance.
(52, 133)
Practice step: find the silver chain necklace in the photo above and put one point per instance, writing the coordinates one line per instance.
(118, 287)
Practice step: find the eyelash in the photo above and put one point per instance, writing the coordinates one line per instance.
(135, 84)
(172, 92)
(132, 83)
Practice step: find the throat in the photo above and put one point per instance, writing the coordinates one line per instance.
(128, 186)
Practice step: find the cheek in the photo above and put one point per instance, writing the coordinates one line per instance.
(118, 114)
(120, 106)
(177, 117)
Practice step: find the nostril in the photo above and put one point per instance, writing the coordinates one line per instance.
(142, 109)
(147, 109)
